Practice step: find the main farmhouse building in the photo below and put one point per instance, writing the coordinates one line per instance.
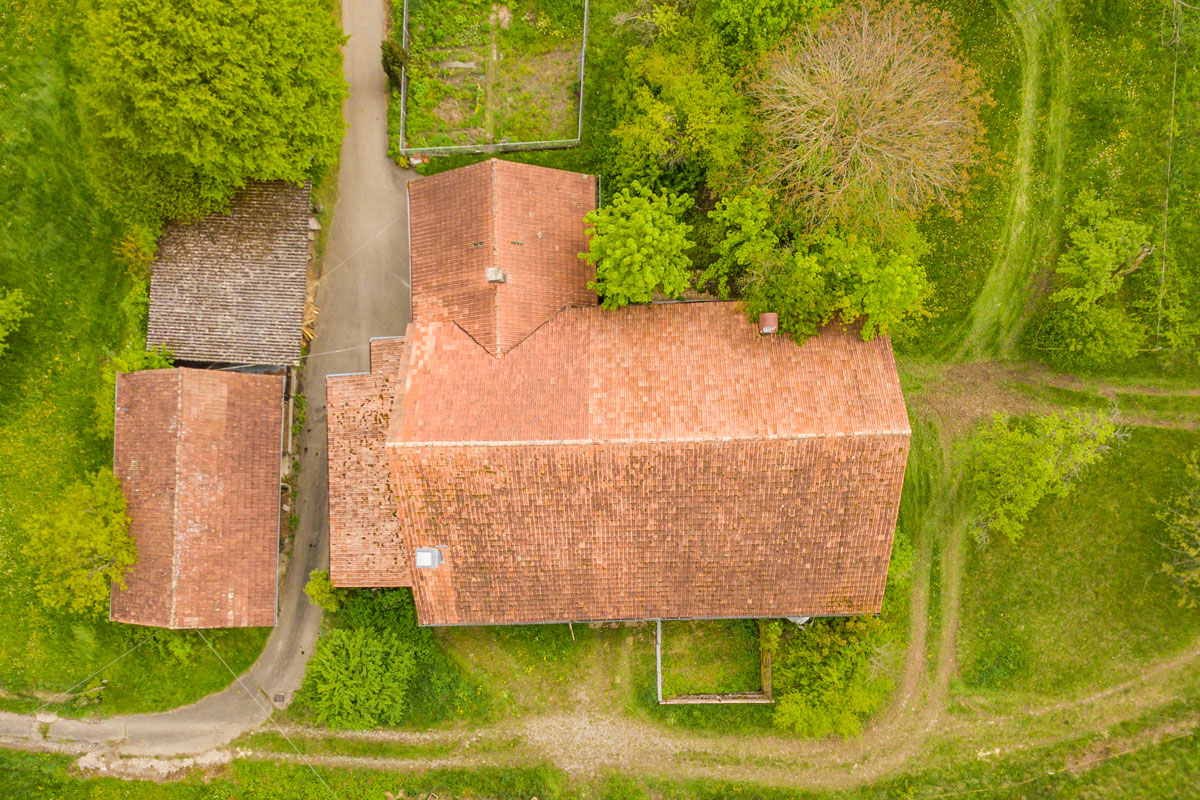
(522, 455)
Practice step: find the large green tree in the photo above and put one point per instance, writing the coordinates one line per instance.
(1092, 319)
(81, 544)
(681, 113)
(183, 101)
(1012, 464)
(638, 245)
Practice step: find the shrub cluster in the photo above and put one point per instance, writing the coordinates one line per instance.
(376, 666)
(711, 104)
(1181, 516)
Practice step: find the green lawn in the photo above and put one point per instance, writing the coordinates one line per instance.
(1079, 602)
(710, 656)
(527, 668)
(56, 245)
(965, 239)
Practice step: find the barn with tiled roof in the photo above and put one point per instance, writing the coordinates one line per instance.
(660, 461)
(230, 288)
(198, 456)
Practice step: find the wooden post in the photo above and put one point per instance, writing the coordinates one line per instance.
(658, 657)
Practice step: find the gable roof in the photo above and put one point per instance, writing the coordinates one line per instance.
(366, 545)
(198, 455)
(659, 372)
(654, 462)
(524, 220)
(231, 287)
(573, 463)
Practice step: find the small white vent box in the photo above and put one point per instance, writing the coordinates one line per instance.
(428, 557)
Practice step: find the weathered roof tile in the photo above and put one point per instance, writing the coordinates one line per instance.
(231, 287)
(198, 455)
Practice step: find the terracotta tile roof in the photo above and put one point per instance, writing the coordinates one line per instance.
(665, 371)
(230, 287)
(643, 530)
(573, 463)
(657, 461)
(524, 220)
(198, 455)
(366, 547)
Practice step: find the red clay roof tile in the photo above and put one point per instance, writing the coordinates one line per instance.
(584, 464)
(522, 219)
(657, 461)
(366, 546)
(198, 455)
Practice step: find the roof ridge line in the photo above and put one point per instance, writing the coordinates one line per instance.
(695, 439)
(175, 497)
(495, 251)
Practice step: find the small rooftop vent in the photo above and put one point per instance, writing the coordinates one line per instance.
(428, 558)
(496, 275)
(768, 323)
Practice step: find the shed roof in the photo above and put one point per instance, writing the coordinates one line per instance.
(231, 287)
(366, 545)
(198, 455)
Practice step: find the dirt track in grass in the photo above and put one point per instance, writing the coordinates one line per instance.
(1036, 200)
(592, 733)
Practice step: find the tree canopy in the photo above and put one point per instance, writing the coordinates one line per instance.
(840, 276)
(638, 245)
(1013, 464)
(870, 112)
(680, 109)
(1090, 319)
(81, 545)
(184, 101)
(13, 309)
(359, 677)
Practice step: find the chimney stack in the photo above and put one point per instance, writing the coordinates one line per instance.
(768, 323)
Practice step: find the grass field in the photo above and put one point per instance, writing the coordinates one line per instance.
(57, 246)
(525, 668)
(1079, 602)
(710, 656)
(966, 238)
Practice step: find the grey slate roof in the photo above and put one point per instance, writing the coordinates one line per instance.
(231, 286)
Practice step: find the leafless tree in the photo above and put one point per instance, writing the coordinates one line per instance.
(871, 110)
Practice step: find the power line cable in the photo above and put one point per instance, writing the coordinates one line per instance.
(94, 674)
(252, 696)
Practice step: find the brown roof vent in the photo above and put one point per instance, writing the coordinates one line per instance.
(768, 323)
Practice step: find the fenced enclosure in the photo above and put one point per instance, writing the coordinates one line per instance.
(484, 77)
(712, 661)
